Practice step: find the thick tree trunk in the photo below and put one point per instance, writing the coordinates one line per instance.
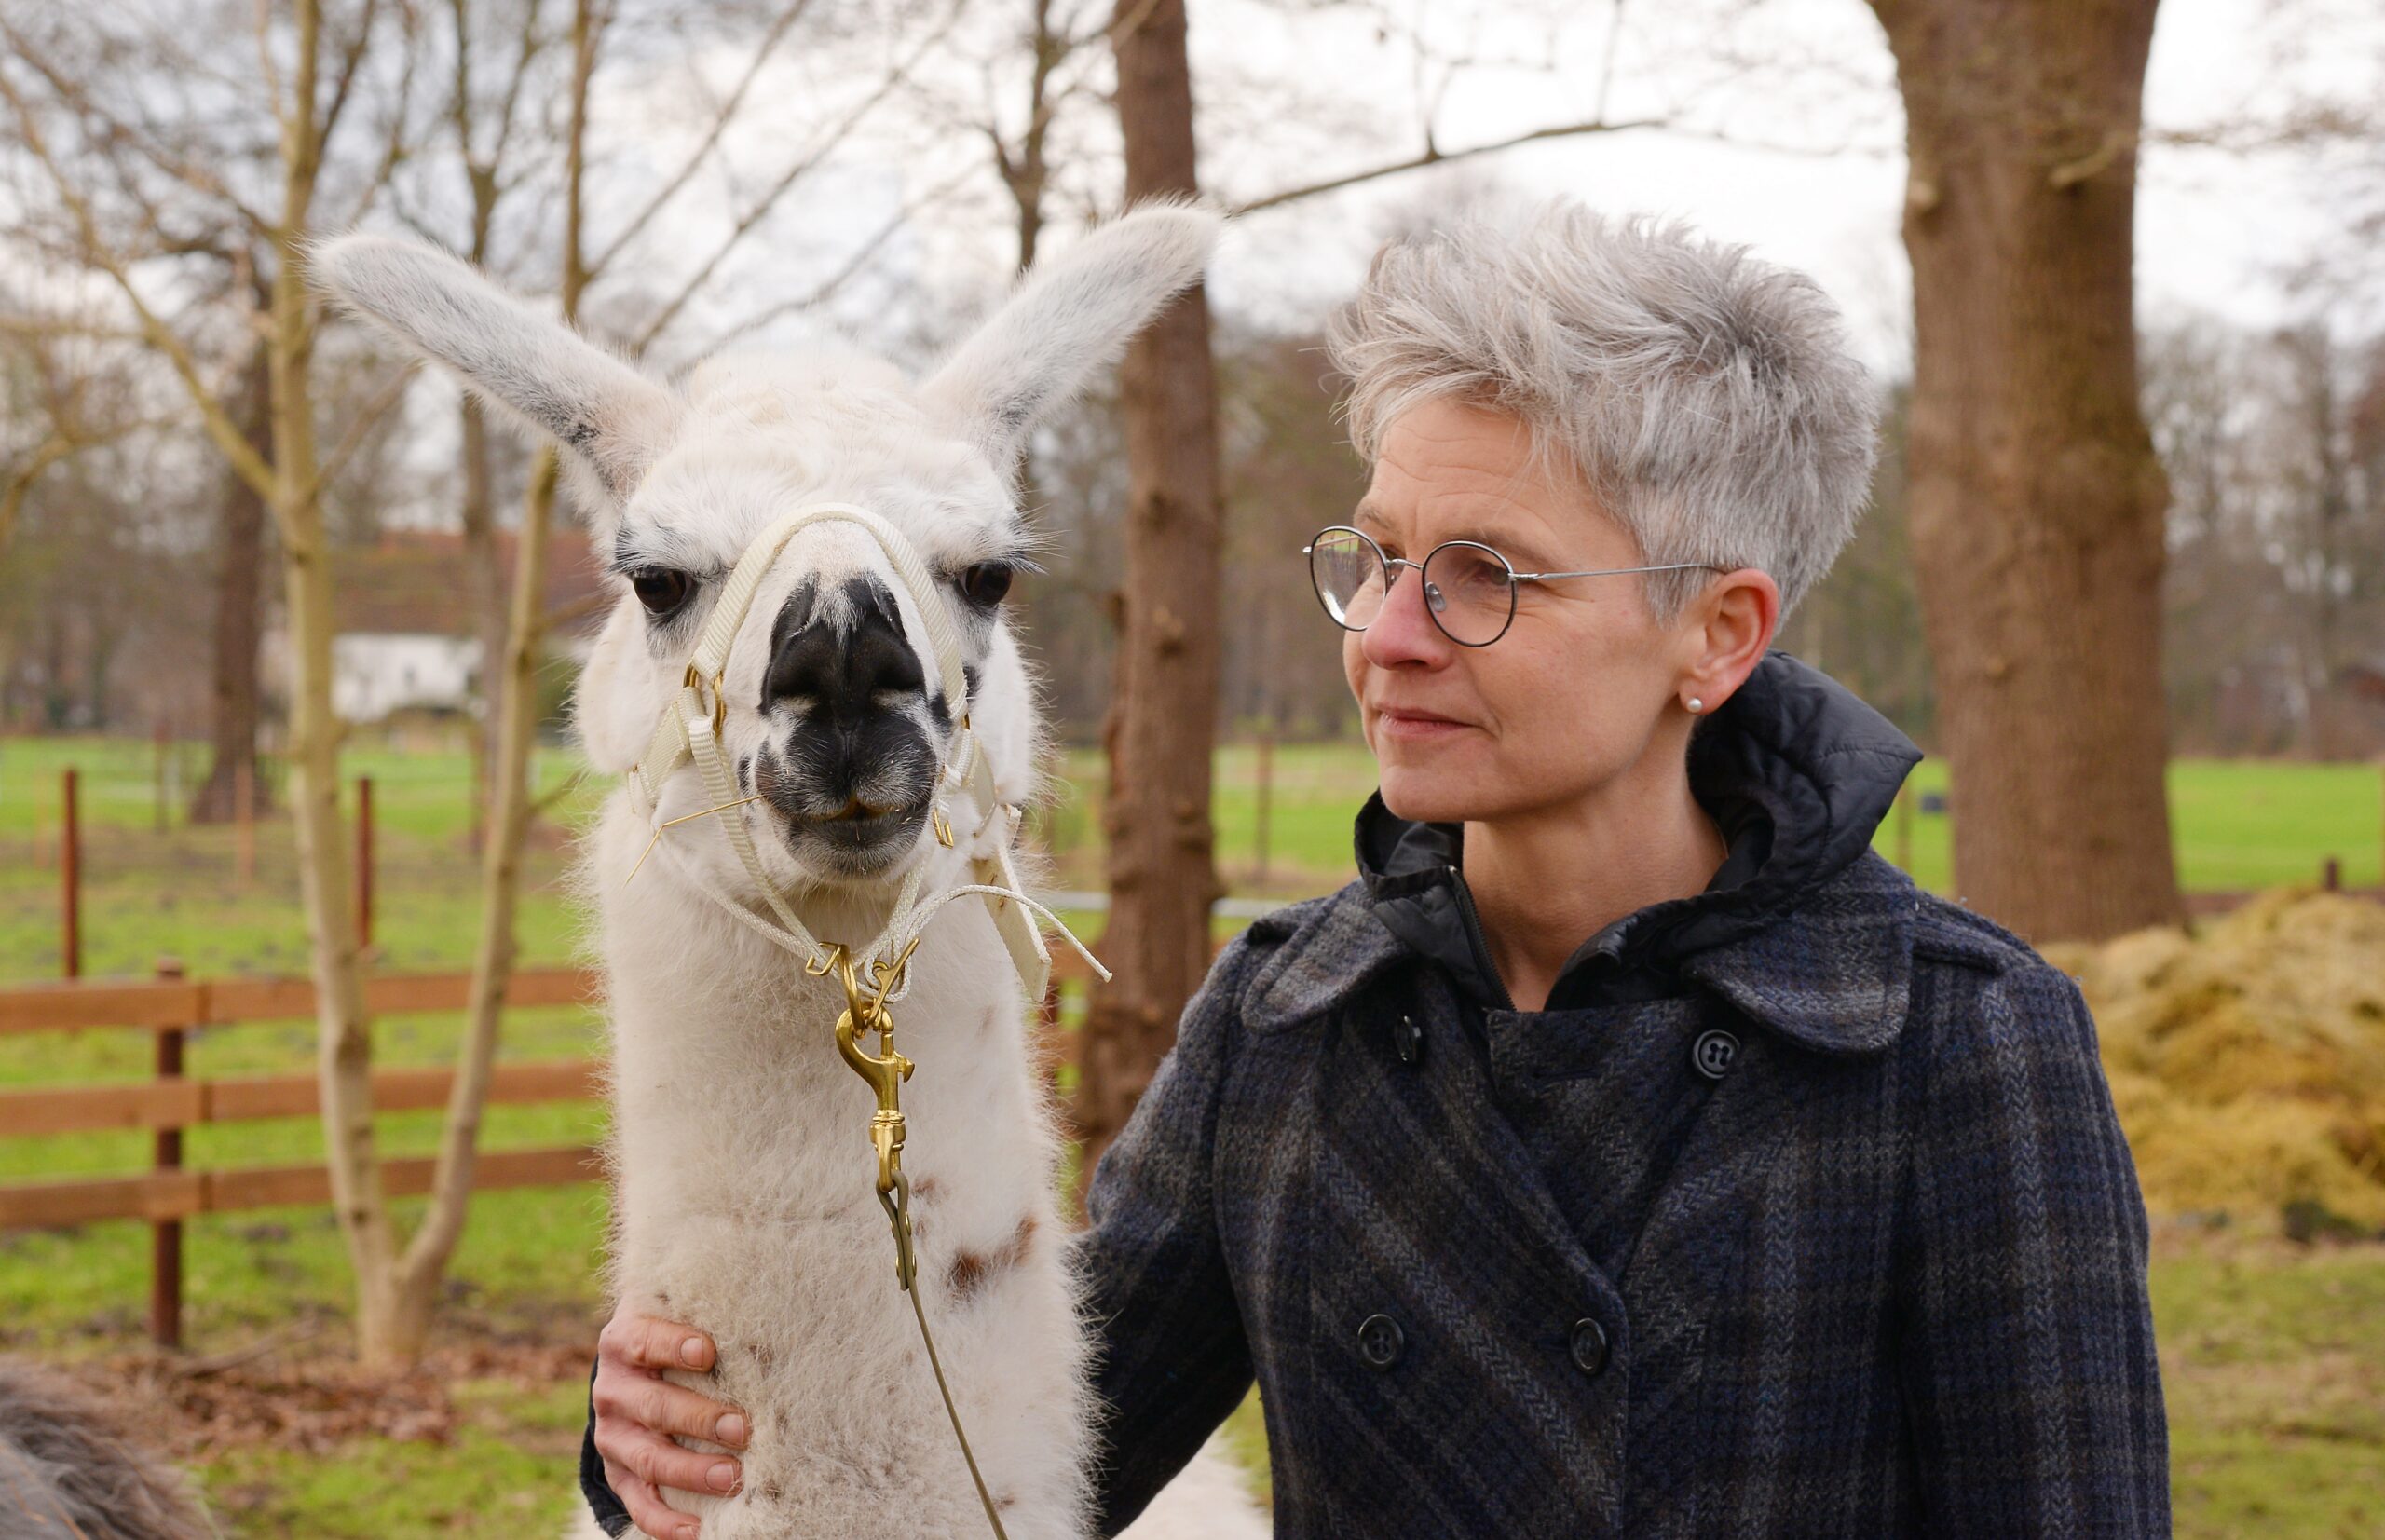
(1164, 702)
(239, 576)
(2036, 500)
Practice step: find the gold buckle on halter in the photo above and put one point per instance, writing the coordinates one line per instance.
(695, 681)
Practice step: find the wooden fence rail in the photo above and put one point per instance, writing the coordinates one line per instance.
(171, 1006)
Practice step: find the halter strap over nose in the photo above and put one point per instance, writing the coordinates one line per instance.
(689, 730)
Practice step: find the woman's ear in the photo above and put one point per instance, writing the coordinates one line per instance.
(1072, 319)
(1727, 630)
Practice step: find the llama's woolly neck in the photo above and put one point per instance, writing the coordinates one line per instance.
(746, 1205)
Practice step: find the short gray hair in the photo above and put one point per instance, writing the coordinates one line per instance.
(1708, 398)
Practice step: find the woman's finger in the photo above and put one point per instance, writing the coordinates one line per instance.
(659, 1405)
(660, 1463)
(653, 1517)
(648, 1342)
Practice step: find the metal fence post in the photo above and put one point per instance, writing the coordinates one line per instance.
(363, 861)
(70, 866)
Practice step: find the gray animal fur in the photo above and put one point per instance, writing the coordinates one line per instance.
(69, 1467)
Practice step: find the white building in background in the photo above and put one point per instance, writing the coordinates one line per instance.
(376, 674)
(406, 642)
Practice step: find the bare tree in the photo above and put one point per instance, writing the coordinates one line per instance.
(236, 698)
(311, 78)
(1162, 879)
(2036, 497)
(513, 698)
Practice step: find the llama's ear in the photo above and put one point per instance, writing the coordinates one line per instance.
(613, 418)
(1072, 319)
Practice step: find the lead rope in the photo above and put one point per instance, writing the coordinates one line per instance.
(688, 732)
(885, 1072)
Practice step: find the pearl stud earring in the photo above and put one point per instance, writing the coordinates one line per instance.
(1696, 706)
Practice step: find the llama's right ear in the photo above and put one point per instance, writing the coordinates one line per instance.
(613, 418)
(1072, 319)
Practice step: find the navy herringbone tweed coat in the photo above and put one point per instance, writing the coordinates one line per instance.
(1542, 1275)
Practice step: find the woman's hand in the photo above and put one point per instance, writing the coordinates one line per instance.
(637, 1412)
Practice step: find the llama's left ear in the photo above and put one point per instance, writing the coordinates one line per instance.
(608, 418)
(1072, 319)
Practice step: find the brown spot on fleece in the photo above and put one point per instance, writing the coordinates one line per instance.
(970, 1269)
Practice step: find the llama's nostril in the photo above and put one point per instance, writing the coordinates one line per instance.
(845, 655)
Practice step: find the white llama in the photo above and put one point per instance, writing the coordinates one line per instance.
(740, 1146)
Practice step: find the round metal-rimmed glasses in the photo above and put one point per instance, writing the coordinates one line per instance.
(1469, 588)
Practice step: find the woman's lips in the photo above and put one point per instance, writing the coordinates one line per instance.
(1415, 727)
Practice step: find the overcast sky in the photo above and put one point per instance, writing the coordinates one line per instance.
(2216, 231)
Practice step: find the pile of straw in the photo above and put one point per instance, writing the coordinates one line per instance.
(2248, 1061)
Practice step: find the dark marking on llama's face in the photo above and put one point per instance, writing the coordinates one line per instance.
(972, 1269)
(852, 762)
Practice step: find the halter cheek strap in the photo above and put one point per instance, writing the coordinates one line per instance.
(688, 732)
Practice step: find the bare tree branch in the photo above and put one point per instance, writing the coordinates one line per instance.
(829, 286)
(221, 429)
(360, 426)
(769, 200)
(1433, 157)
(777, 32)
(74, 96)
(350, 57)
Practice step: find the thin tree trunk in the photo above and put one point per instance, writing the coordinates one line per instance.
(484, 574)
(513, 707)
(483, 570)
(236, 701)
(344, 1040)
(2036, 500)
(1162, 720)
(515, 697)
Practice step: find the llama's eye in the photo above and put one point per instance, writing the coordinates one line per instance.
(661, 589)
(984, 583)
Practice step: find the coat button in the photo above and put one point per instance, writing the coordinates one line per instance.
(1712, 1054)
(1409, 1040)
(1589, 1345)
(1380, 1341)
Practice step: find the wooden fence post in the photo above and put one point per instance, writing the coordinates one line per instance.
(2331, 874)
(70, 867)
(166, 1235)
(365, 860)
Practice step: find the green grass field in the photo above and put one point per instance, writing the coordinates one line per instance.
(2274, 1356)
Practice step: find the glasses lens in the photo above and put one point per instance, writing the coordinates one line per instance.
(1470, 592)
(1348, 572)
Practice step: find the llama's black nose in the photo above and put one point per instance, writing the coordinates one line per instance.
(841, 655)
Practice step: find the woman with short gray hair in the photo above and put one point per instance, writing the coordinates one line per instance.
(1629, 1150)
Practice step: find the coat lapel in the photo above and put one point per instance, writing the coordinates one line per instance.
(1835, 972)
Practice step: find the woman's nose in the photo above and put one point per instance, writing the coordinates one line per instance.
(1402, 632)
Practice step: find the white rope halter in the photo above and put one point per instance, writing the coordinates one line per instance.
(688, 731)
